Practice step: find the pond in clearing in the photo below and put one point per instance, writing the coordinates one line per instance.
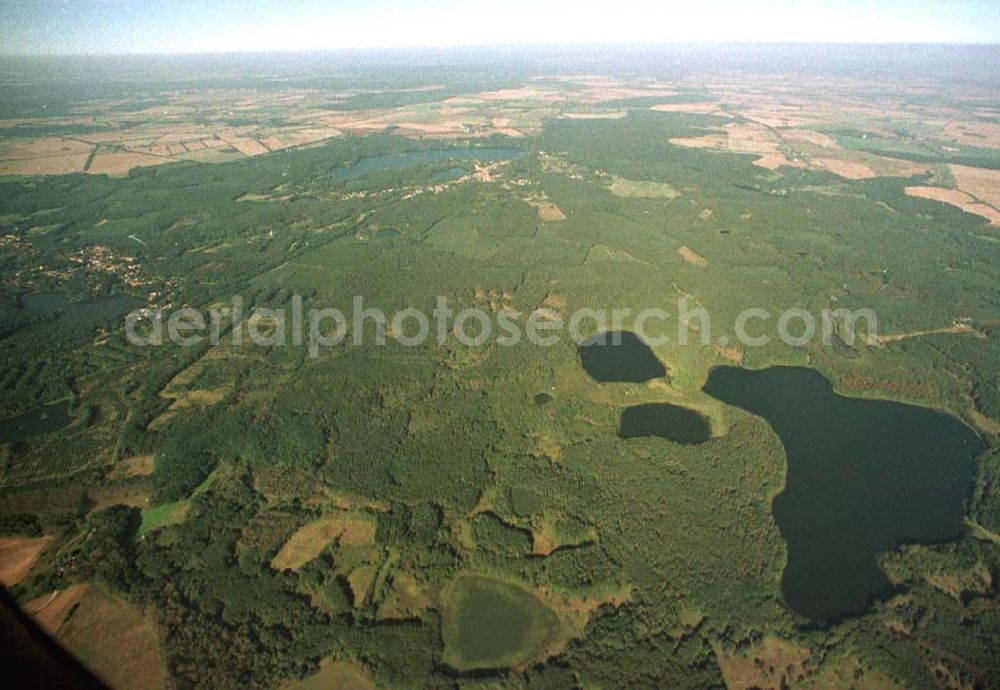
(619, 356)
(672, 422)
(492, 624)
(40, 420)
(864, 476)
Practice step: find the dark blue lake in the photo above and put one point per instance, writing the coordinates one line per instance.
(864, 476)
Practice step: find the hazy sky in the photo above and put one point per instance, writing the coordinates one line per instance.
(178, 26)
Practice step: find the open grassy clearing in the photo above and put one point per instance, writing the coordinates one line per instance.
(335, 675)
(771, 665)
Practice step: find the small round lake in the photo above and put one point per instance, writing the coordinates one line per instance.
(864, 476)
(619, 357)
(492, 624)
(672, 422)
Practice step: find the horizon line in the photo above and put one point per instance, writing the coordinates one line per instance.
(501, 46)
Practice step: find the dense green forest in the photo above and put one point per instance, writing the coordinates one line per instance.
(271, 510)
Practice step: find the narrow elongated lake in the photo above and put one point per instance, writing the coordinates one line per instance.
(864, 476)
(399, 161)
(672, 422)
(87, 312)
(40, 420)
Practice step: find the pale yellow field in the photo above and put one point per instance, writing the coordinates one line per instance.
(350, 529)
(960, 199)
(692, 257)
(981, 183)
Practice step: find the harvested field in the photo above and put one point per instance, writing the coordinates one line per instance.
(41, 147)
(45, 165)
(696, 108)
(51, 610)
(973, 133)
(523, 93)
(979, 182)
(115, 641)
(245, 145)
(737, 138)
(116, 163)
(793, 118)
(610, 91)
(810, 137)
(744, 138)
(611, 115)
(846, 169)
(851, 165)
(959, 199)
(18, 556)
(774, 161)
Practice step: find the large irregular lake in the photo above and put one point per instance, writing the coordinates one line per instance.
(864, 476)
